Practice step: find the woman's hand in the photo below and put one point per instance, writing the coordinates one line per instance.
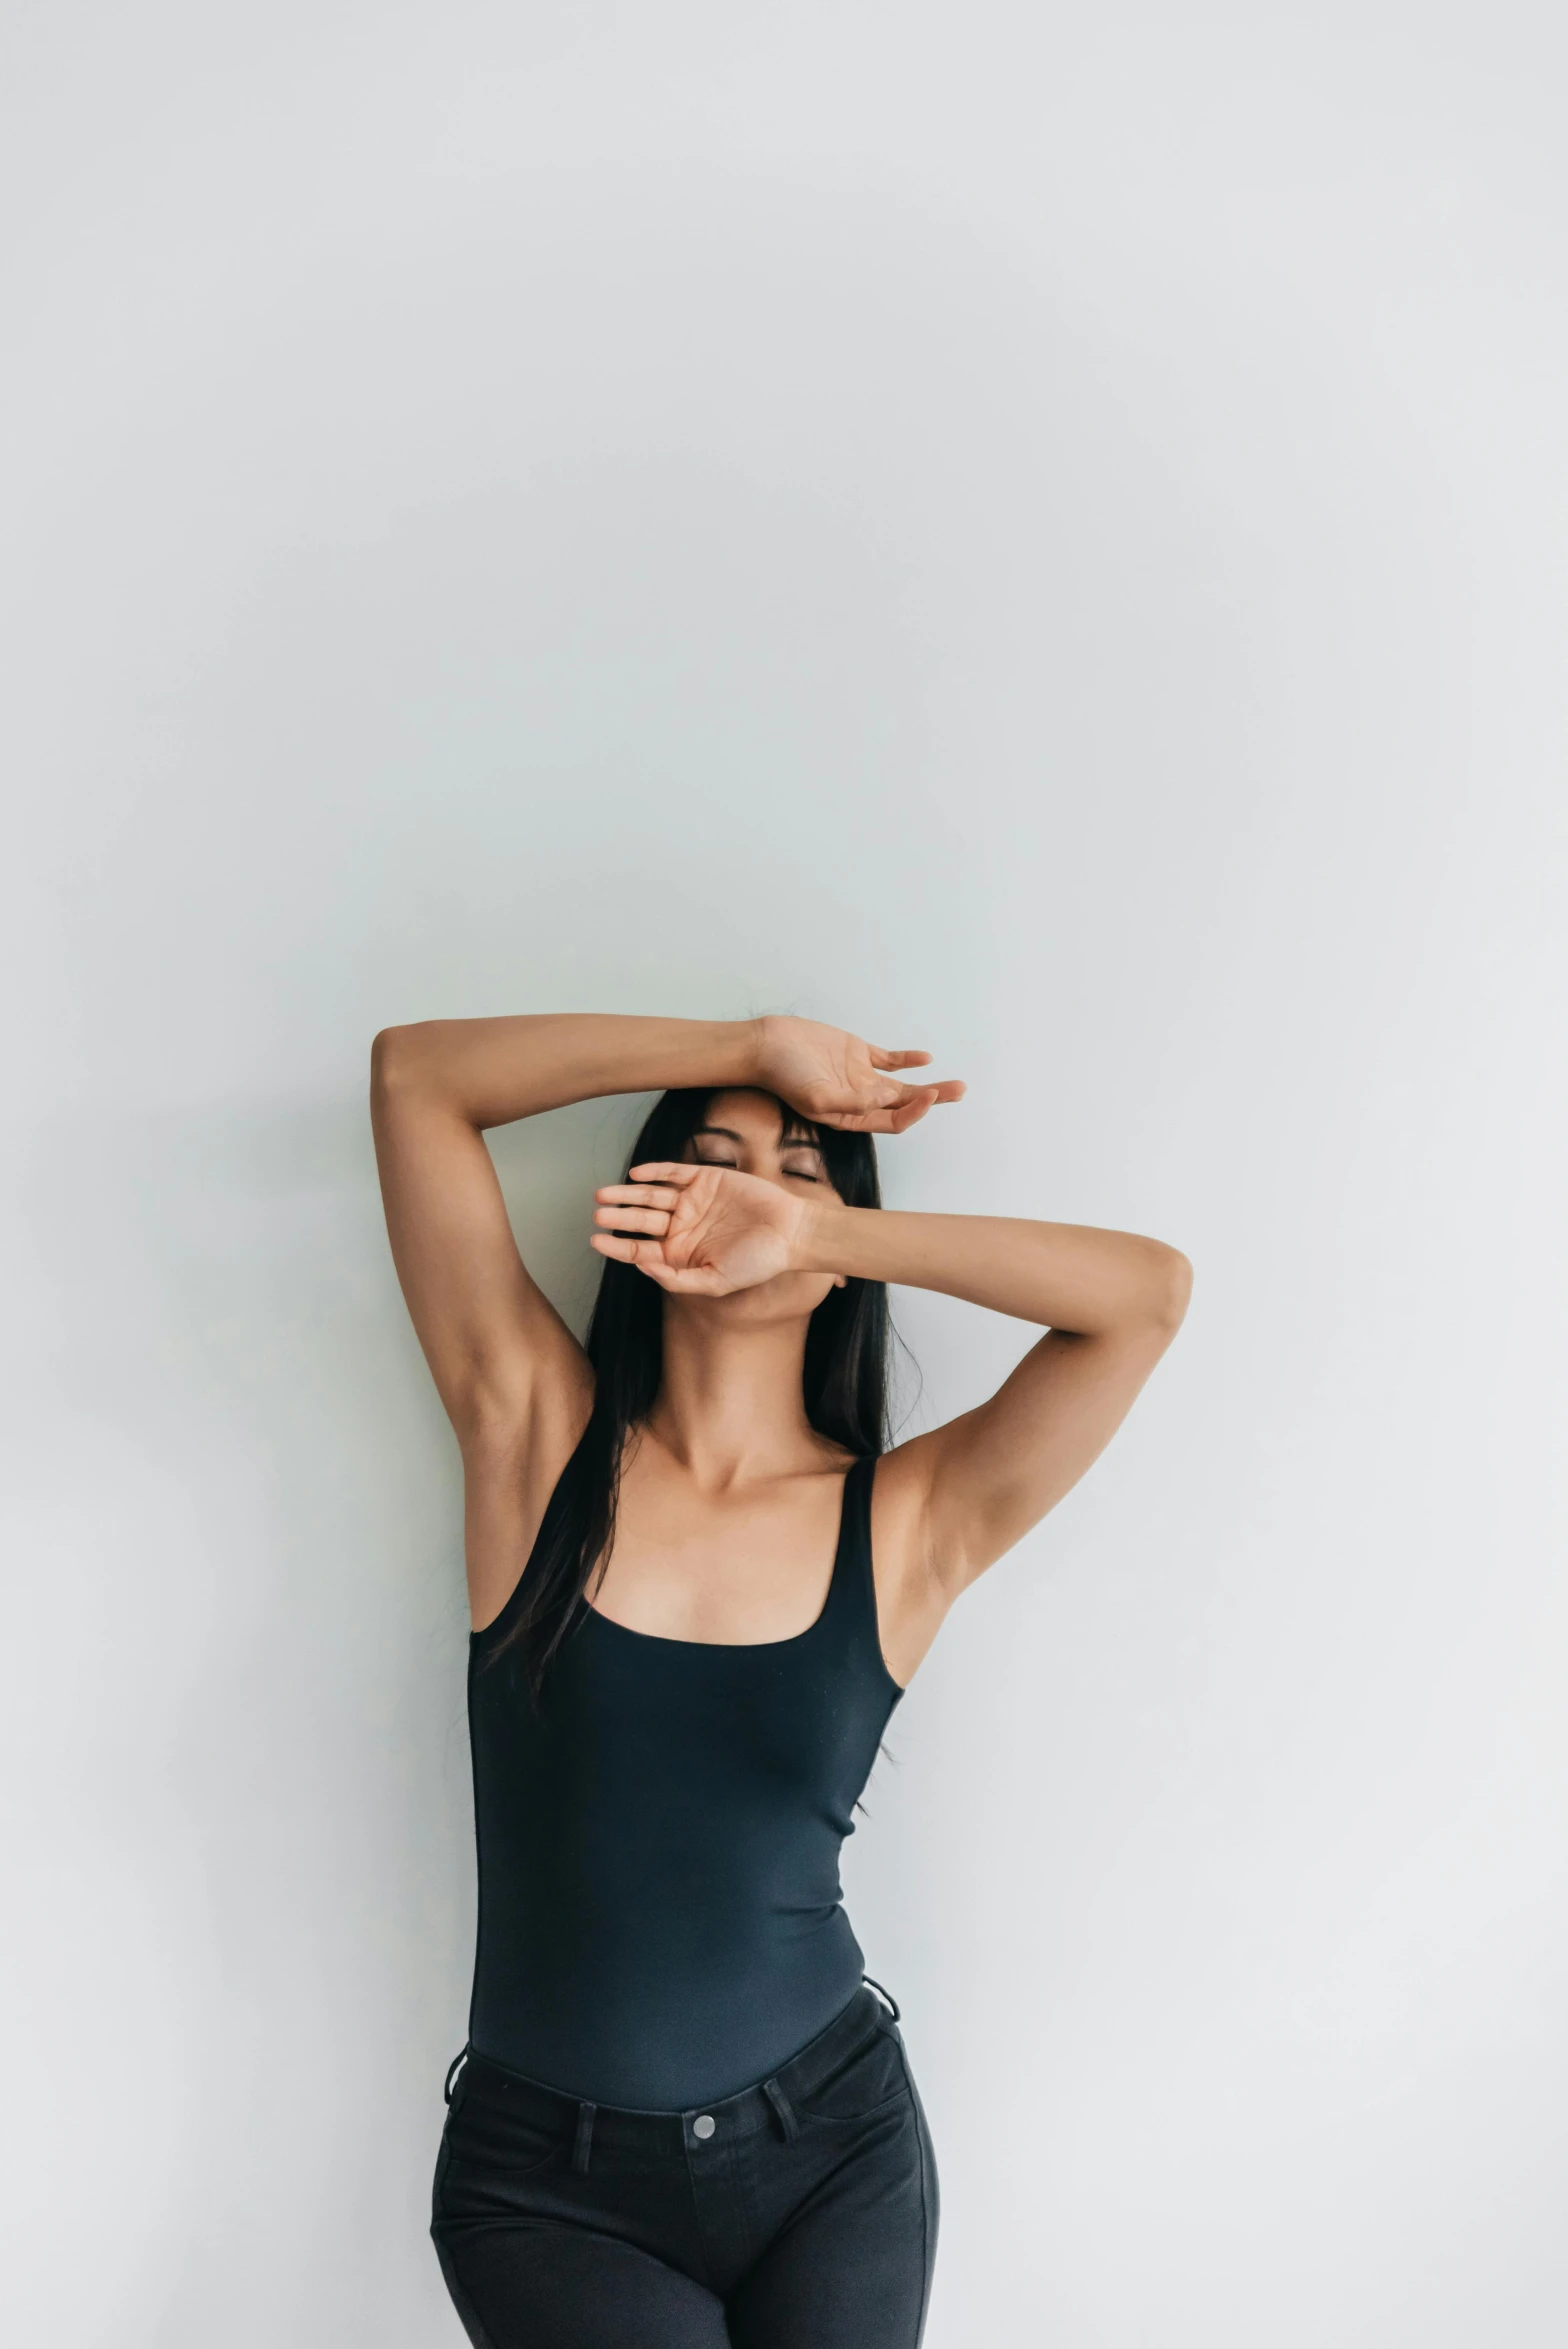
(838, 1080)
(699, 1231)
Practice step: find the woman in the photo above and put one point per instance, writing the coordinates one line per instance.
(699, 1585)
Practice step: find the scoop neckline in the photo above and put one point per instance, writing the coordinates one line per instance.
(748, 1647)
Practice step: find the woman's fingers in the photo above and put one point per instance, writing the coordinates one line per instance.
(648, 1257)
(624, 1250)
(629, 1194)
(909, 1104)
(924, 1097)
(883, 1059)
(653, 1220)
(909, 1115)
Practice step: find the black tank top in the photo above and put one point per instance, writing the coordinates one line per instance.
(660, 1915)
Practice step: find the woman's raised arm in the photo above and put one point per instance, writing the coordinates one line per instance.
(488, 1332)
(1111, 1302)
(959, 1497)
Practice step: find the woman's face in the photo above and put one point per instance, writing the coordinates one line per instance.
(751, 1132)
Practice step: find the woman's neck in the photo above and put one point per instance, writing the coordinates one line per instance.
(730, 1407)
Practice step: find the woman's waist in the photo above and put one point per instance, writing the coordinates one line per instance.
(670, 2082)
(631, 2020)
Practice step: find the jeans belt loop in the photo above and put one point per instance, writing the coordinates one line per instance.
(585, 2113)
(785, 2110)
(887, 1994)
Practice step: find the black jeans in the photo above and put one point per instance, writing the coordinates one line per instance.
(799, 2214)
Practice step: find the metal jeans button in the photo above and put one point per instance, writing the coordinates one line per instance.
(704, 2125)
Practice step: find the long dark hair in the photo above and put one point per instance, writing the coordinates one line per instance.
(845, 1378)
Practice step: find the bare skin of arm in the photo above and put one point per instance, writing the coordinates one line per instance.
(512, 1377)
(950, 1503)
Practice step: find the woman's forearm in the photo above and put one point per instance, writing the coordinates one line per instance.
(495, 1070)
(1065, 1276)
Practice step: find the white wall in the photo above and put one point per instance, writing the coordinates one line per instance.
(1037, 533)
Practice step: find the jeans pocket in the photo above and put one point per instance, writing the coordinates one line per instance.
(871, 2080)
(490, 2147)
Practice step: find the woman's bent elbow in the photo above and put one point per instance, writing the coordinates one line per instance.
(1173, 1289)
(388, 1058)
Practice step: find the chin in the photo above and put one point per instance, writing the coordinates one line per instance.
(789, 1296)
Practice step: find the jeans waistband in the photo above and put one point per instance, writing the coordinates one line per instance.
(766, 2104)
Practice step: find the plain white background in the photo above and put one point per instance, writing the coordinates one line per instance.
(1033, 532)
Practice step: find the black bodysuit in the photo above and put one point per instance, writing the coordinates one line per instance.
(660, 1915)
